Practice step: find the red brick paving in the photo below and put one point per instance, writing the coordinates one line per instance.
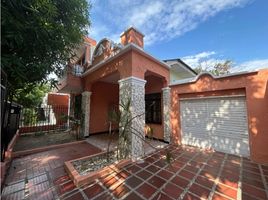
(190, 196)
(181, 182)
(193, 174)
(144, 174)
(227, 191)
(161, 196)
(253, 191)
(133, 196)
(205, 182)
(44, 172)
(172, 190)
(133, 181)
(199, 190)
(93, 190)
(146, 190)
(164, 174)
(120, 191)
(218, 196)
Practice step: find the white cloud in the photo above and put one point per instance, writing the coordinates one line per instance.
(208, 59)
(251, 65)
(158, 20)
(148, 11)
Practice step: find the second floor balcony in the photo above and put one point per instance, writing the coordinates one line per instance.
(71, 81)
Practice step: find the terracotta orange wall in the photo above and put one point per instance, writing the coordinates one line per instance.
(131, 63)
(141, 64)
(60, 103)
(70, 83)
(103, 96)
(87, 54)
(254, 85)
(122, 65)
(154, 85)
(90, 41)
(57, 99)
(132, 36)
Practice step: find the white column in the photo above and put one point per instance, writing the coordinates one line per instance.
(166, 113)
(85, 113)
(132, 89)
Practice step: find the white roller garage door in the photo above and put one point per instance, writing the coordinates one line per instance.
(217, 122)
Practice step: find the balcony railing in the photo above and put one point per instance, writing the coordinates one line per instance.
(76, 70)
(70, 80)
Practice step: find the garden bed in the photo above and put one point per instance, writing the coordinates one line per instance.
(87, 169)
(42, 139)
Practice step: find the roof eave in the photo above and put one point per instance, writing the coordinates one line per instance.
(184, 64)
(124, 50)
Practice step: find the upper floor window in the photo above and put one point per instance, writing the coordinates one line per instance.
(78, 70)
(82, 60)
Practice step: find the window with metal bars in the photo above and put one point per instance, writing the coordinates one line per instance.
(153, 113)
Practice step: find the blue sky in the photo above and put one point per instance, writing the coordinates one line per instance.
(197, 31)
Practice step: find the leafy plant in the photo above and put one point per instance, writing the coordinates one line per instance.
(75, 124)
(123, 117)
(169, 156)
(30, 116)
(39, 37)
(31, 95)
(217, 69)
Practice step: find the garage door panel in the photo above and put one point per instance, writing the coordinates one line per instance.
(192, 122)
(219, 122)
(236, 146)
(201, 142)
(236, 115)
(225, 128)
(234, 133)
(236, 120)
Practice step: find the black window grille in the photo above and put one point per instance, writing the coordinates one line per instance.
(153, 114)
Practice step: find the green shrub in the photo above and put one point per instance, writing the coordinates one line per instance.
(30, 116)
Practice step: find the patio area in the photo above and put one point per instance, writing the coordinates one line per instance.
(193, 174)
(101, 141)
(43, 139)
(42, 175)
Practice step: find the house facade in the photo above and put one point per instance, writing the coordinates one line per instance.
(180, 106)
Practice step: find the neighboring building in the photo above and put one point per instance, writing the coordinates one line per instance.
(228, 113)
(59, 106)
(179, 70)
(50, 115)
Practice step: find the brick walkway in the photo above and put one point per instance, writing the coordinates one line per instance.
(102, 140)
(193, 175)
(42, 175)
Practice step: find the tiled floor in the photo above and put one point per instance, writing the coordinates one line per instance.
(42, 175)
(193, 174)
(101, 141)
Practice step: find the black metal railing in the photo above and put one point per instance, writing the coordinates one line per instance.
(44, 118)
(76, 70)
(10, 125)
(10, 115)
